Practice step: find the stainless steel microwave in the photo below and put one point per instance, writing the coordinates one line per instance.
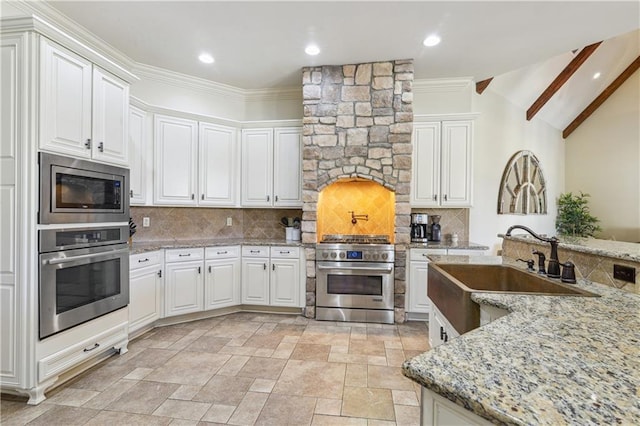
(81, 191)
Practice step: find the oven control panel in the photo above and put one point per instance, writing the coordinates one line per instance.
(361, 255)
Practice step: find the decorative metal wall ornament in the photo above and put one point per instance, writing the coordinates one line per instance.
(523, 189)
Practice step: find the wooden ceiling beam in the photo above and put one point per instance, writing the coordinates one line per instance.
(481, 85)
(602, 97)
(561, 79)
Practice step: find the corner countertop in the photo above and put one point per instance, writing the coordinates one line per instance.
(151, 245)
(448, 245)
(616, 249)
(552, 360)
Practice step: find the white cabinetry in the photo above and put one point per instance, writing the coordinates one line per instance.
(439, 411)
(222, 282)
(84, 110)
(440, 330)
(145, 289)
(272, 167)
(140, 156)
(271, 276)
(184, 288)
(195, 163)
(442, 164)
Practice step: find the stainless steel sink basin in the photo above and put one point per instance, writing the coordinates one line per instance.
(450, 287)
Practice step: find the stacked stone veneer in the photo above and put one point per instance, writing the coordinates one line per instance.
(357, 124)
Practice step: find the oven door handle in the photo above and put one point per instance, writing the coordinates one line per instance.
(60, 260)
(387, 269)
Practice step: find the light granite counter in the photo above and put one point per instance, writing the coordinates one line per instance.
(144, 246)
(553, 360)
(460, 245)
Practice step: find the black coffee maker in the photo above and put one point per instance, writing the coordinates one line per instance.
(419, 228)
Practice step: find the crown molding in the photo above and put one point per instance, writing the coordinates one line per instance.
(442, 85)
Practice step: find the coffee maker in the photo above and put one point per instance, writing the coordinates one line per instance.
(419, 227)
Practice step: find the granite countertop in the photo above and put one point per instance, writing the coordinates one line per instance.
(144, 246)
(552, 360)
(460, 245)
(616, 249)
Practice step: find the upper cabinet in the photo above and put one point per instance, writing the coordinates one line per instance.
(272, 167)
(84, 110)
(195, 163)
(442, 164)
(139, 156)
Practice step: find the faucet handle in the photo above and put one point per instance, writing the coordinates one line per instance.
(541, 259)
(568, 273)
(529, 263)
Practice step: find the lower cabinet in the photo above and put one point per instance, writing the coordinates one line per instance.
(145, 289)
(271, 276)
(222, 277)
(440, 331)
(439, 411)
(184, 288)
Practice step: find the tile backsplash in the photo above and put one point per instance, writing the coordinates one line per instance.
(452, 221)
(185, 223)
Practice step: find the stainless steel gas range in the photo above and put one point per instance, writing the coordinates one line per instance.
(355, 278)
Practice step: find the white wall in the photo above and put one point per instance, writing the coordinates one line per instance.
(603, 160)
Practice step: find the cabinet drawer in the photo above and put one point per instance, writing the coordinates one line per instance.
(421, 254)
(255, 251)
(59, 362)
(142, 260)
(226, 252)
(184, 255)
(285, 252)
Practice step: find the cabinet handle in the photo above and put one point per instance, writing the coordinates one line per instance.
(87, 144)
(160, 273)
(254, 251)
(285, 252)
(435, 197)
(209, 268)
(184, 255)
(273, 267)
(203, 196)
(199, 270)
(264, 266)
(268, 198)
(131, 193)
(101, 147)
(193, 196)
(425, 254)
(96, 346)
(222, 252)
(446, 337)
(143, 260)
(276, 198)
(445, 197)
(442, 333)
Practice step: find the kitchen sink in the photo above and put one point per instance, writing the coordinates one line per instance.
(450, 287)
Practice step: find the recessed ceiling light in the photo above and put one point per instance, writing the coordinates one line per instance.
(206, 58)
(596, 75)
(312, 50)
(431, 41)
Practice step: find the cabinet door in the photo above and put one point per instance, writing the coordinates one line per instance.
(418, 299)
(257, 167)
(285, 279)
(287, 167)
(145, 297)
(222, 283)
(139, 155)
(255, 281)
(183, 288)
(425, 183)
(65, 101)
(456, 163)
(437, 328)
(219, 170)
(110, 118)
(176, 162)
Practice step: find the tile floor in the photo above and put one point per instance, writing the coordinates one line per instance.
(243, 369)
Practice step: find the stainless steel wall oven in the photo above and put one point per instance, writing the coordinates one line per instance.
(84, 273)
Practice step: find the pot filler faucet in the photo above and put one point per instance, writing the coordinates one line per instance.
(553, 270)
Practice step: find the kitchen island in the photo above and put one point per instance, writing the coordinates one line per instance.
(552, 360)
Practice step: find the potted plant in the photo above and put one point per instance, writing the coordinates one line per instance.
(574, 218)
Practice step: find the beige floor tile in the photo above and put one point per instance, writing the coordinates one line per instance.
(143, 398)
(356, 375)
(323, 420)
(238, 350)
(71, 397)
(420, 343)
(219, 413)
(183, 422)
(186, 392)
(311, 378)
(376, 360)
(376, 422)
(291, 339)
(211, 344)
(263, 341)
(101, 377)
(387, 378)
(226, 390)
(393, 344)
(367, 402)
(63, 415)
(330, 407)
(311, 352)
(233, 366)
(262, 385)
(138, 374)
(152, 358)
(335, 349)
(189, 368)
(407, 415)
(262, 368)
(110, 394)
(19, 413)
(284, 351)
(111, 418)
(348, 358)
(405, 397)
(382, 334)
(188, 410)
(367, 347)
(395, 357)
(234, 329)
(249, 409)
(287, 410)
(264, 352)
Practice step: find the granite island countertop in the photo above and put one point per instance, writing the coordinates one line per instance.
(553, 360)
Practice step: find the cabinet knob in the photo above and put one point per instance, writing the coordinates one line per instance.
(199, 270)
(268, 198)
(87, 144)
(101, 147)
(264, 266)
(209, 268)
(131, 193)
(193, 196)
(203, 196)
(273, 267)
(435, 197)
(445, 197)
(276, 198)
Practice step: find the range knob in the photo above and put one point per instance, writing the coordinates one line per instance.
(342, 255)
(385, 256)
(367, 256)
(376, 256)
(333, 255)
(325, 254)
